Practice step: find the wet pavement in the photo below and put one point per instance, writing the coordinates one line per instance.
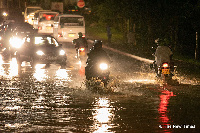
(56, 100)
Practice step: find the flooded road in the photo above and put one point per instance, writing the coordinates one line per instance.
(56, 100)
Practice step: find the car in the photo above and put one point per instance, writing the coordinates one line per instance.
(12, 38)
(43, 49)
(67, 26)
(28, 11)
(24, 29)
(36, 17)
(46, 21)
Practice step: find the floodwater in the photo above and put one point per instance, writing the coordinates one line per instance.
(56, 100)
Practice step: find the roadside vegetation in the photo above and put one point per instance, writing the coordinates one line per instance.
(176, 21)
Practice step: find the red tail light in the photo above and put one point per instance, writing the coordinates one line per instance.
(39, 28)
(82, 49)
(165, 65)
(60, 35)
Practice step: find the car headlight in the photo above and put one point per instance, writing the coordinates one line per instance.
(16, 42)
(40, 52)
(62, 52)
(103, 66)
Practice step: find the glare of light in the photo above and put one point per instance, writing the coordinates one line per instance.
(102, 116)
(12, 107)
(30, 20)
(62, 74)
(141, 81)
(1, 67)
(13, 67)
(5, 14)
(62, 52)
(40, 74)
(38, 40)
(16, 42)
(103, 66)
(40, 52)
(165, 65)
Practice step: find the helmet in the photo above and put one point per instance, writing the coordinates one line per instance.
(162, 42)
(80, 34)
(97, 44)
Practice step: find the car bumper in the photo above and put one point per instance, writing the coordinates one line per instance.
(63, 39)
(50, 59)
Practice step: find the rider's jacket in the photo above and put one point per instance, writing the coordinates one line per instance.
(162, 55)
(81, 42)
(98, 55)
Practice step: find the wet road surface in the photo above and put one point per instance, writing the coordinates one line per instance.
(56, 100)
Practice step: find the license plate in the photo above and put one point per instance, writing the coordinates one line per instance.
(71, 35)
(82, 53)
(48, 27)
(165, 71)
(51, 58)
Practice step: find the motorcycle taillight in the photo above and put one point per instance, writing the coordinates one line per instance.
(165, 65)
(82, 49)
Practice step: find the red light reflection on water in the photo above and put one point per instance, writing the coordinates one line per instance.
(164, 101)
(82, 70)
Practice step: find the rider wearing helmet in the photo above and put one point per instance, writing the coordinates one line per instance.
(97, 53)
(163, 52)
(80, 41)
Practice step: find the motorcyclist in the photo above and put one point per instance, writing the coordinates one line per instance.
(96, 54)
(80, 41)
(163, 52)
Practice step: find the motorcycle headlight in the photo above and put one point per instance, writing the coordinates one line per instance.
(40, 52)
(16, 42)
(103, 66)
(62, 52)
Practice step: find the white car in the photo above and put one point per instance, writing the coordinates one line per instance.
(67, 27)
(31, 16)
(46, 21)
(28, 11)
(36, 17)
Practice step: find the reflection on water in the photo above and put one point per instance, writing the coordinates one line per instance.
(103, 116)
(8, 70)
(164, 101)
(40, 74)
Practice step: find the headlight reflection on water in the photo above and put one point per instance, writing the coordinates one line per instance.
(13, 67)
(8, 69)
(141, 81)
(102, 115)
(40, 74)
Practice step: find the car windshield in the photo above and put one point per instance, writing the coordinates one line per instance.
(40, 41)
(71, 21)
(30, 10)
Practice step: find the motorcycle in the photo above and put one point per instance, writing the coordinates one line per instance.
(166, 71)
(98, 71)
(81, 51)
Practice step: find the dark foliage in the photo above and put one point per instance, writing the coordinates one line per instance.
(176, 20)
